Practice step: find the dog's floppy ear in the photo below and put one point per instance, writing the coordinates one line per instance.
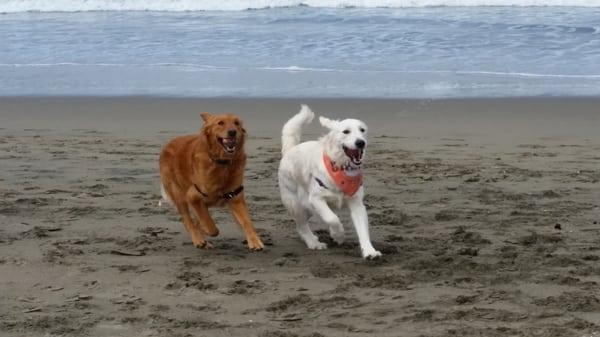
(206, 116)
(326, 122)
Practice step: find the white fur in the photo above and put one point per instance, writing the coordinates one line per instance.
(165, 196)
(291, 132)
(301, 193)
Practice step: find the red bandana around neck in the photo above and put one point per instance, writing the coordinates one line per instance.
(348, 184)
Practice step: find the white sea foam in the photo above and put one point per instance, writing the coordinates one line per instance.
(17, 6)
(303, 69)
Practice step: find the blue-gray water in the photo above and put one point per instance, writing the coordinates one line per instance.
(301, 51)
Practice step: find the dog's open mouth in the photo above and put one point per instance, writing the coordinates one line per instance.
(228, 144)
(355, 155)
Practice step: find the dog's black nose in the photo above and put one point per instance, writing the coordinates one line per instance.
(232, 133)
(360, 143)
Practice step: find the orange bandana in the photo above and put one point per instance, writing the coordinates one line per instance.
(348, 184)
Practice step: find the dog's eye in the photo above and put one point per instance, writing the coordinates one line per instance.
(221, 123)
(362, 130)
(237, 123)
(346, 132)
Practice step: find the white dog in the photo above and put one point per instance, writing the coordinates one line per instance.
(315, 175)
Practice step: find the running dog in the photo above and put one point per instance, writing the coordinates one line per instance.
(315, 175)
(205, 170)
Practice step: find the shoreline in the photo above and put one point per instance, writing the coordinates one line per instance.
(502, 119)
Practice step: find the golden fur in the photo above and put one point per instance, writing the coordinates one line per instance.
(196, 171)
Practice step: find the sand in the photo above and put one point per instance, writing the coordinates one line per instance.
(486, 210)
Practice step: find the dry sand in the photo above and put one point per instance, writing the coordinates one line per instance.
(486, 210)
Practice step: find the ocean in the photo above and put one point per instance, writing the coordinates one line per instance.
(317, 48)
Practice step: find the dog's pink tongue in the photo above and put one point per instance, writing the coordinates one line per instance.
(354, 154)
(229, 141)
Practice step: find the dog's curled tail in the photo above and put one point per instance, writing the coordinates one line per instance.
(292, 130)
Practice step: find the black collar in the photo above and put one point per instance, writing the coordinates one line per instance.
(227, 196)
(221, 161)
(321, 183)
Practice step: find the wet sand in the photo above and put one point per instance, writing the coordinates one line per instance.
(486, 211)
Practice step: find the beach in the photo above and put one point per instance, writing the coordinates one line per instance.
(486, 211)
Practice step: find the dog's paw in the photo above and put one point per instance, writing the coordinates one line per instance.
(255, 244)
(317, 245)
(372, 254)
(203, 245)
(214, 231)
(337, 236)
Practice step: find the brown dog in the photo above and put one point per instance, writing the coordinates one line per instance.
(207, 169)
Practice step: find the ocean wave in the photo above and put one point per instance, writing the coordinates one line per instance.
(297, 69)
(19, 6)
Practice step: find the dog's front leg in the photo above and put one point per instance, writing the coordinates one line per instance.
(358, 213)
(240, 211)
(336, 229)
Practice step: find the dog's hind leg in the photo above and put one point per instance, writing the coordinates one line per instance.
(184, 210)
(290, 199)
(310, 239)
(192, 228)
(206, 221)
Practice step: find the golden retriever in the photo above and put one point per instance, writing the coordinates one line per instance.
(205, 170)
